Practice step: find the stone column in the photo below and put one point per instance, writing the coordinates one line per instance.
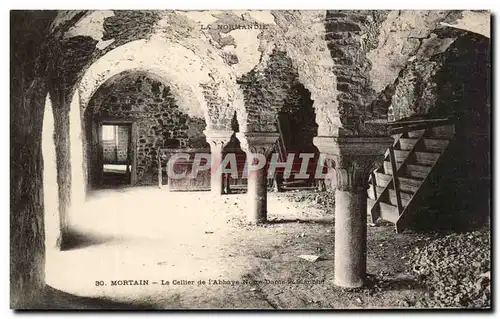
(253, 143)
(352, 160)
(218, 140)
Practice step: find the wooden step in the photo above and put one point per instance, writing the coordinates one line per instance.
(406, 144)
(425, 158)
(382, 179)
(391, 195)
(408, 187)
(410, 170)
(428, 144)
(435, 145)
(443, 132)
(406, 184)
(400, 155)
(405, 198)
(418, 171)
(388, 166)
(302, 187)
(415, 134)
(378, 189)
(391, 198)
(389, 212)
(291, 182)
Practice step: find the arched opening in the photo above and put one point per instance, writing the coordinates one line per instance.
(297, 126)
(231, 183)
(285, 106)
(128, 121)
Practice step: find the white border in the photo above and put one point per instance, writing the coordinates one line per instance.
(192, 4)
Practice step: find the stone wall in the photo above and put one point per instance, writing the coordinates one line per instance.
(454, 84)
(265, 91)
(160, 122)
(28, 89)
(449, 84)
(415, 91)
(299, 114)
(350, 35)
(370, 48)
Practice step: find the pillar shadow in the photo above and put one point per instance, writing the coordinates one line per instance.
(399, 283)
(77, 240)
(325, 220)
(54, 299)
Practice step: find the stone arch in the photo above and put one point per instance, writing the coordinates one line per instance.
(169, 61)
(282, 76)
(310, 55)
(154, 75)
(298, 119)
(146, 100)
(190, 77)
(265, 89)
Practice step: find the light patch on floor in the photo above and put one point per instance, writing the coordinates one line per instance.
(151, 234)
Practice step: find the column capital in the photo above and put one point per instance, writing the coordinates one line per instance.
(218, 138)
(353, 158)
(257, 142)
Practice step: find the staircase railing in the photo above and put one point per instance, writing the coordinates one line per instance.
(400, 127)
(280, 143)
(282, 153)
(397, 129)
(400, 223)
(395, 181)
(375, 210)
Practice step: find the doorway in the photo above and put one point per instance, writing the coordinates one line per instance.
(116, 154)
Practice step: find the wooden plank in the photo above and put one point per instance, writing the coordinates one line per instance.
(374, 182)
(395, 181)
(374, 211)
(403, 220)
(432, 121)
(389, 212)
(281, 142)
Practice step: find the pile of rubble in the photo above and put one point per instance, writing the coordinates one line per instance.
(325, 199)
(456, 269)
(320, 199)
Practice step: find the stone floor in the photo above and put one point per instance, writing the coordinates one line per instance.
(144, 233)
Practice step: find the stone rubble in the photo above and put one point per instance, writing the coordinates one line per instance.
(456, 269)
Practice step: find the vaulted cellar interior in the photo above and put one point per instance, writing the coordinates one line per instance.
(393, 106)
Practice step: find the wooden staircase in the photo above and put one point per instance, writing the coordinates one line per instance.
(397, 187)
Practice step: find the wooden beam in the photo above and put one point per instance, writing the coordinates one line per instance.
(401, 123)
(374, 184)
(395, 181)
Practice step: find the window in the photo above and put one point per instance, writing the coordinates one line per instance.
(108, 132)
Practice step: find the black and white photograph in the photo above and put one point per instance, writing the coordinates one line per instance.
(250, 159)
